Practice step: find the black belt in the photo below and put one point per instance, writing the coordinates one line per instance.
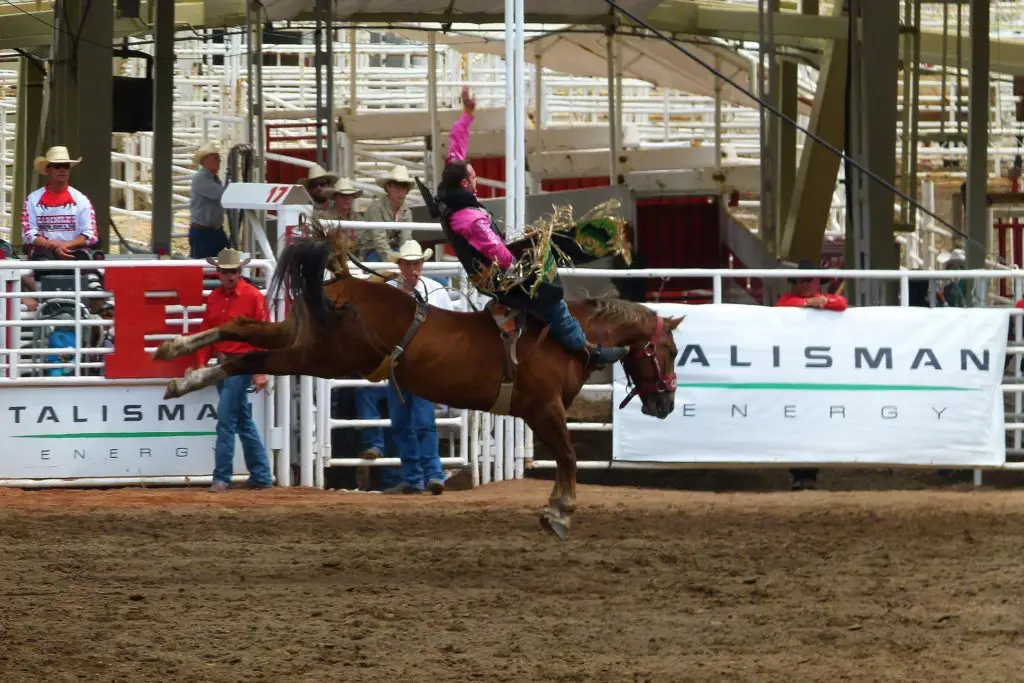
(205, 227)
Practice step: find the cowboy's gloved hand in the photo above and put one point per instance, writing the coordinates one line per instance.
(468, 103)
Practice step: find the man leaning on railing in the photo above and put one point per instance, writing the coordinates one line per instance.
(806, 292)
(57, 219)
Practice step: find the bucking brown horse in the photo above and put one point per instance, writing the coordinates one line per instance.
(349, 325)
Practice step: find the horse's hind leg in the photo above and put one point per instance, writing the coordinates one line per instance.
(263, 335)
(549, 426)
(280, 362)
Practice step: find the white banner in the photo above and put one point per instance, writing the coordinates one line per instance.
(111, 430)
(878, 385)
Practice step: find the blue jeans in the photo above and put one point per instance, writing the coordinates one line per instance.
(203, 242)
(368, 408)
(234, 416)
(564, 328)
(415, 436)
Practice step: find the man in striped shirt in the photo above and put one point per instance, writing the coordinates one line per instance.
(57, 219)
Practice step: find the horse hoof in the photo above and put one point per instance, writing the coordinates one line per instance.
(165, 351)
(173, 390)
(554, 526)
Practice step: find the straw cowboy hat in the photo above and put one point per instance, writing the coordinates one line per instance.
(54, 155)
(205, 151)
(344, 186)
(317, 172)
(412, 251)
(228, 259)
(399, 174)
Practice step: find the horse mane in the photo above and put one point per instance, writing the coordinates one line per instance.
(609, 309)
(302, 264)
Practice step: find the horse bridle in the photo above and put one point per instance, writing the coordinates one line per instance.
(664, 380)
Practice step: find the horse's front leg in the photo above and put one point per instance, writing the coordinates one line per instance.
(281, 362)
(263, 335)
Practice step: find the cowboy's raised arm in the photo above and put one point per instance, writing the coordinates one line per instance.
(458, 140)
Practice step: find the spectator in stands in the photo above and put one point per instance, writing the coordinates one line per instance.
(412, 422)
(206, 236)
(343, 195)
(58, 222)
(383, 245)
(57, 219)
(234, 298)
(806, 292)
(953, 293)
(317, 183)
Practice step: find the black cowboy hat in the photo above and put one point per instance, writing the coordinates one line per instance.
(803, 264)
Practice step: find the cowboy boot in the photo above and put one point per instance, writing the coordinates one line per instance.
(598, 357)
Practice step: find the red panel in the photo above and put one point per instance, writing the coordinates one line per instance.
(679, 232)
(289, 174)
(563, 184)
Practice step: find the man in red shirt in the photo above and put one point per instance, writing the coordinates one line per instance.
(234, 298)
(806, 292)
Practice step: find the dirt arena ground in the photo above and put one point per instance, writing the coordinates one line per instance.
(653, 585)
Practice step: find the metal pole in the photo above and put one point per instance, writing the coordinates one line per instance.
(915, 87)
(510, 121)
(353, 106)
(538, 95)
(977, 138)
(163, 127)
(718, 119)
(256, 92)
(332, 127)
(318, 53)
(434, 165)
(520, 85)
(613, 156)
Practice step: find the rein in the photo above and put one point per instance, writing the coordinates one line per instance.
(666, 381)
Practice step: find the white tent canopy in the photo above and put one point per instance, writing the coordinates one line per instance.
(647, 59)
(558, 10)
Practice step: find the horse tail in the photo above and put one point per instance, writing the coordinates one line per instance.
(301, 269)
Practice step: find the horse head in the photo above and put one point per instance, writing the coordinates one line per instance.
(651, 370)
(650, 365)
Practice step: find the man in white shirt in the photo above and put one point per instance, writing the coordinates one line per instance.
(413, 428)
(57, 219)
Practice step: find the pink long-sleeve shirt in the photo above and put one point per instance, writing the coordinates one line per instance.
(474, 225)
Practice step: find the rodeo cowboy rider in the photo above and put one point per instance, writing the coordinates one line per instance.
(470, 230)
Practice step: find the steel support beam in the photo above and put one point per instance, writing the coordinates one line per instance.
(163, 127)
(977, 226)
(24, 29)
(788, 96)
(94, 119)
(870, 240)
(815, 181)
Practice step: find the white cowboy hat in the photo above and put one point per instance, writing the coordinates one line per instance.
(205, 151)
(412, 251)
(952, 259)
(399, 174)
(54, 155)
(317, 172)
(228, 259)
(343, 186)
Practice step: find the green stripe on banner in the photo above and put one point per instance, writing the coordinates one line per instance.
(807, 386)
(114, 435)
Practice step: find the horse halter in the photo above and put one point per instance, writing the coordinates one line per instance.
(663, 382)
